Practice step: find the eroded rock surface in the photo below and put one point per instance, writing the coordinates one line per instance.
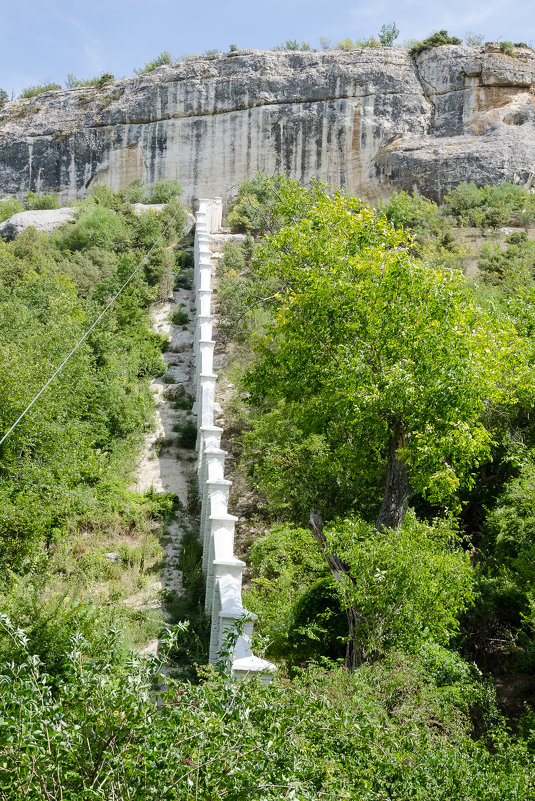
(373, 119)
(46, 220)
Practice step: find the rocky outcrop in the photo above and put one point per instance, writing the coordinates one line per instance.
(46, 220)
(374, 119)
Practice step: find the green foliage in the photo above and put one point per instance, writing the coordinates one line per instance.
(251, 210)
(180, 316)
(97, 226)
(492, 206)
(508, 48)
(427, 358)
(432, 237)
(163, 191)
(436, 39)
(38, 89)
(286, 562)
(9, 206)
(233, 258)
(387, 730)
(4, 97)
(187, 433)
(59, 467)
(408, 585)
(388, 35)
(72, 82)
(293, 44)
(346, 44)
(164, 58)
(33, 201)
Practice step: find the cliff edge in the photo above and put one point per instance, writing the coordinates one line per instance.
(374, 119)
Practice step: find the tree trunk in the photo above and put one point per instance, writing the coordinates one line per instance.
(338, 567)
(397, 488)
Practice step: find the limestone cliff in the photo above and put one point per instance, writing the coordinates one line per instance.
(373, 119)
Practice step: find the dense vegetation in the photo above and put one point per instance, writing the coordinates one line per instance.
(66, 468)
(383, 419)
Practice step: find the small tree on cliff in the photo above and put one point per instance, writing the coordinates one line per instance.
(392, 361)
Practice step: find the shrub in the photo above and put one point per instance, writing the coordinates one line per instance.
(184, 280)
(97, 226)
(4, 97)
(436, 39)
(38, 89)
(473, 39)
(163, 191)
(507, 48)
(9, 206)
(33, 201)
(187, 433)
(233, 257)
(149, 66)
(293, 44)
(72, 82)
(180, 316)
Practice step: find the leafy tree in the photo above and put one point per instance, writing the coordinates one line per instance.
(402, 587)
(3, 97)
(163, 191)
(388, 35)
(392, 360)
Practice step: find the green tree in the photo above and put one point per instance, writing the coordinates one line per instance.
(388, 35)
(390, 359)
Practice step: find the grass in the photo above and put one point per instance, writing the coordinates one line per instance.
(181, 400)
(179, 316)
(187, 433)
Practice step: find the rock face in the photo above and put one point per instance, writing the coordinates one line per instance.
(46, 220)
(374, 119)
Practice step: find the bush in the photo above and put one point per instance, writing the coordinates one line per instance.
(293, 44)
(163, 191)
(507, 48)
(38, 89)
(98, 80)
(436, 39)
(387, 730)
(97, 226)
(4, 97)
(180, 316)
(33, 201)
(318, 623)
(388, 35)
(8, 207)
(149, 66)
(187, 433)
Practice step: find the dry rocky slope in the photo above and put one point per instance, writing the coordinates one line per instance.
(374, 119)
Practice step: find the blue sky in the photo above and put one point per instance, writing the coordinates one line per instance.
(44, 40)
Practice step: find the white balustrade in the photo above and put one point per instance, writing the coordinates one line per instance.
(223, 571)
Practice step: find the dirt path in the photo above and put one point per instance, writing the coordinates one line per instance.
(163, 465)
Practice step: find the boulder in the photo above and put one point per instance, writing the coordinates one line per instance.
(46, 220)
